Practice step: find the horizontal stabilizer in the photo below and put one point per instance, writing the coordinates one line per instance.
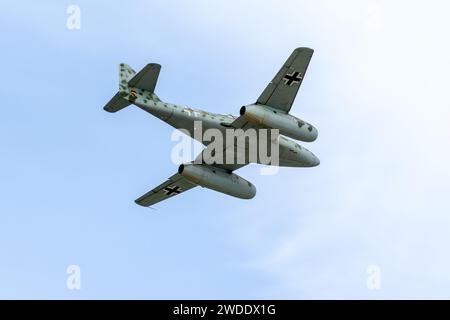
(146, 78)
(116, 103)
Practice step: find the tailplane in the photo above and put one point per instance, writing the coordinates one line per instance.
(132, 85)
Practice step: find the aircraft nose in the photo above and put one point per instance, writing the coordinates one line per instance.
(313, 161)
(308, 159)
(295, 155)
(316, 161)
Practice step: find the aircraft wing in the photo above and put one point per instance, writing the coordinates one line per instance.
(281, 91)
(176, 184)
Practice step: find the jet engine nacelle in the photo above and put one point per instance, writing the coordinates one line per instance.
(288, 125)
(218, 180)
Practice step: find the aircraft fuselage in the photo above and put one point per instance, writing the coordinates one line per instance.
(291, 154)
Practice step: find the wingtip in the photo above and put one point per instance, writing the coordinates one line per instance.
(139, 203)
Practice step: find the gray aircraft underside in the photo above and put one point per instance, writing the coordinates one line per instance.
(270, 111)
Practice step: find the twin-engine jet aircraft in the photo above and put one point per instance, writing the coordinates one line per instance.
(270, 111)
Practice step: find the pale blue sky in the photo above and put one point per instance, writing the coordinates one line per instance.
(377, 90)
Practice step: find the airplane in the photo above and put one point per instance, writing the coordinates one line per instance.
(270, 111)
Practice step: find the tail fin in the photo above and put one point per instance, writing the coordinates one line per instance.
(146, 78)
(126, 73)
(132, 85)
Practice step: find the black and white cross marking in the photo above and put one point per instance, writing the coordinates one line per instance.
(292, 78)
(172, 190)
